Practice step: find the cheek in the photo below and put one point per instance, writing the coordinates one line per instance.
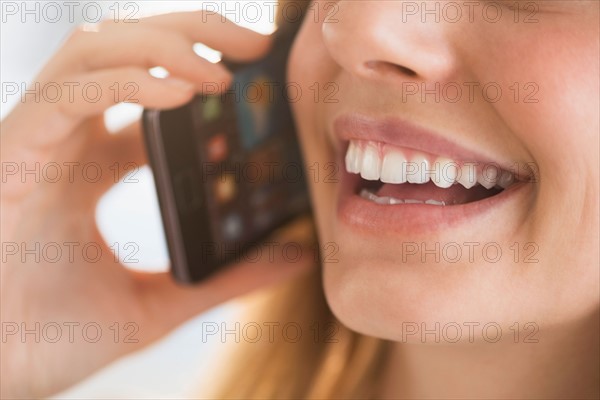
(557, 114)
(562, 128)
(310, 68)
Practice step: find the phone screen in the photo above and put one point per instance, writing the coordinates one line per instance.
(228, 167)
(249, 152)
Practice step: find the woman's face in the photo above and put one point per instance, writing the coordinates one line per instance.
(471, 95)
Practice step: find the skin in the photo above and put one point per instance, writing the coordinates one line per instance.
(372, 291)
(104, 292)
(369, 289)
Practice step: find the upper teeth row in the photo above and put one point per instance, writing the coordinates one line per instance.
(390, 165)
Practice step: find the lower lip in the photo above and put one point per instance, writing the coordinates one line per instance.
(368, 216)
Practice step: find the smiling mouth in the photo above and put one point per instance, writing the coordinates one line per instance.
(403, 178)
(392, 175)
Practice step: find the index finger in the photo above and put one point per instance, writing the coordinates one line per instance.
(215, 31)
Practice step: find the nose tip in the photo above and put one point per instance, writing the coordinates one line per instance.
(384, 49)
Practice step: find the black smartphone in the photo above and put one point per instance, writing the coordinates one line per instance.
(228, 168)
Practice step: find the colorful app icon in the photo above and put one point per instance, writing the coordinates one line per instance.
(232, 227)
(225, 188)
(211, 108)
(217, 148)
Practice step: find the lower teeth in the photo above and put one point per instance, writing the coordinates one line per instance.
(365, 194)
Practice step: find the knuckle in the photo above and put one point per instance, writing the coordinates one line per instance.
(106, 24)
(128, 74)
(169, 37)
(206, 16)
(77, 35)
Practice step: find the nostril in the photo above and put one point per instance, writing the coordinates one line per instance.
(406, 71)
(384, 67)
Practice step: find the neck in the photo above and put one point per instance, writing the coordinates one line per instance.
(562, 364)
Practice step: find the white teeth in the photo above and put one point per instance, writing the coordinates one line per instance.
(417, 170)
(393, 168)
(468, 175)
(386, 200)
(435, 203)
(445, 172)
(371, 163)
(353, 158)
(390, 165)
(505, 180)
(379, 200)
(368, 195)
(488, 176)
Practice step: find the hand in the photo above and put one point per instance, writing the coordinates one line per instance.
(78, 289)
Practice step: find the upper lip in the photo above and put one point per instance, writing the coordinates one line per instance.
(401, 133)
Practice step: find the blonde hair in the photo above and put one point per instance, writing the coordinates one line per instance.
(329, 361)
